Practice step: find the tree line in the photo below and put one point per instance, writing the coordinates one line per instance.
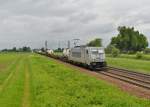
(14, 49)
(128, 40)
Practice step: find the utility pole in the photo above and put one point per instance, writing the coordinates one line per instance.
(58, 44)
(68, 44)
(46, 45)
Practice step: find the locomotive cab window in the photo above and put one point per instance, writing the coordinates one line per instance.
(95, 52)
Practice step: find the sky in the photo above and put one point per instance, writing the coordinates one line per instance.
(31, 22)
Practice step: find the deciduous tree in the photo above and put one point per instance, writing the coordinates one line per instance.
(129, 40)
(95, 43)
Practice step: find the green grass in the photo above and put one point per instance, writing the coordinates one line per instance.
(131, 64)
(7, 64)
(11, 92)
(36, 81)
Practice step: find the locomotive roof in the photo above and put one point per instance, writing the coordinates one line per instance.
(85, 46)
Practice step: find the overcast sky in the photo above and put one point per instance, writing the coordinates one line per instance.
(31, 22)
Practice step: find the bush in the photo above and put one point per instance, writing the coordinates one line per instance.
(109, 48)
(139, 55)
(115, 52)
(147, 51)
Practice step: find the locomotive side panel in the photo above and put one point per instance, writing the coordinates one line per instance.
(77, 55)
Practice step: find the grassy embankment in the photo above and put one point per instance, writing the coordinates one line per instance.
(130, 62)
(36, 81)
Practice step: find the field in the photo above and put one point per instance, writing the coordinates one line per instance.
(131, 63)
(133, 56)
(31, 80)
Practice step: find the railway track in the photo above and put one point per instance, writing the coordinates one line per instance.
(135, 78)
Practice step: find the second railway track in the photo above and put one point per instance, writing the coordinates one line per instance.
(135, 78)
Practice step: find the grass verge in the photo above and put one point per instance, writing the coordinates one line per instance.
(55, 85)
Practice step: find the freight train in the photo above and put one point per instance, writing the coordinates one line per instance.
(90, 57)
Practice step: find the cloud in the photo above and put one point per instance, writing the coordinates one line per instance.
(31, 22)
